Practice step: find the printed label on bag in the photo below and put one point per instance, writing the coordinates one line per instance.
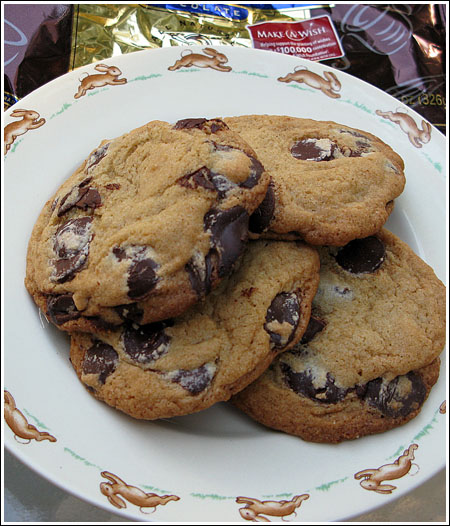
(313, 39)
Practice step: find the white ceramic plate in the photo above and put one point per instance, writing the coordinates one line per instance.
(206, 460)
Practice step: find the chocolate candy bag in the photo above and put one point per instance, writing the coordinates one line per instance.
(397, 48)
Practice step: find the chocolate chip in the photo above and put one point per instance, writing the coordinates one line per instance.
(82, 197)
(315, 325)
(207, 179)
(362, 256)
(142, 278)
(89, 199)
(85, 182)
(314, 150)
(146, 343)
(229, 235)
(100, 359)
(363, 147)
(218, 125)
(97, 156)
(256, 170)
(303, 384)
(112, 186)
(200, 272)
(119, 252)
(195, 380)
(282, 319)
(61, 308)
(397, 398)
(260, 219)
(201, 177)
(187, 124)
(71, 245)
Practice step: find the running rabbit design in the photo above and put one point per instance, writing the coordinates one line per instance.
(417, 136)
(29, 121)
(254, 509)
(19, 424)
(328, 84)
(214, 60)
(372, 478)
(108, 77)
(134, 495)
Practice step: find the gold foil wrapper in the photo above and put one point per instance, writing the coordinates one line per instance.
(105, 30)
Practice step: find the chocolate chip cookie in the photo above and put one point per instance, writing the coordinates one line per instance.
(370, 354)
(146, 226)
(330, 183)
(214, 349)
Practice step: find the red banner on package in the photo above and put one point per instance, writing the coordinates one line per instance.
(313, 39)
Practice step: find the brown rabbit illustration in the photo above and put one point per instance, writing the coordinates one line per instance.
(30, 121)
(417, 136)
(108, 77)
(328, 84)
(134, 495)
(214, 60)
(373, 478)
(19, 425)
(443, 407)
(254, 509)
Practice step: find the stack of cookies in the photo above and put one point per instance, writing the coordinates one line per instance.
(243, 259)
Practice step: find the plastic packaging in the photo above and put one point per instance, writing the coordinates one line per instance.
(398, 48)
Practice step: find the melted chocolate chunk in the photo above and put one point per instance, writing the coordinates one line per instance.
(229, 235)
(260, 219)
(256, 170)
(90, 199)
(363, 147)
(282, 319)
(142, 278)
(315, 325)
(112, 186)
(146, 343)
(187, 124)
(85, 182)
(71, 245)
(195, 381)
(201, 177)
(397, 398)
(97, 156)
(207, 179)
(302, 383)
(362, 256)
(100, 359)
(82, 197)
(218, 125)
(120, 253)
(313, 150)
(201, 275)
(61, 308)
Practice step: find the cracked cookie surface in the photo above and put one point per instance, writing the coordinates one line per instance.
(330, 183)
(146, 226)
(214, 349)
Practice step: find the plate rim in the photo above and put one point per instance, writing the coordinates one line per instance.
(55, 83)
